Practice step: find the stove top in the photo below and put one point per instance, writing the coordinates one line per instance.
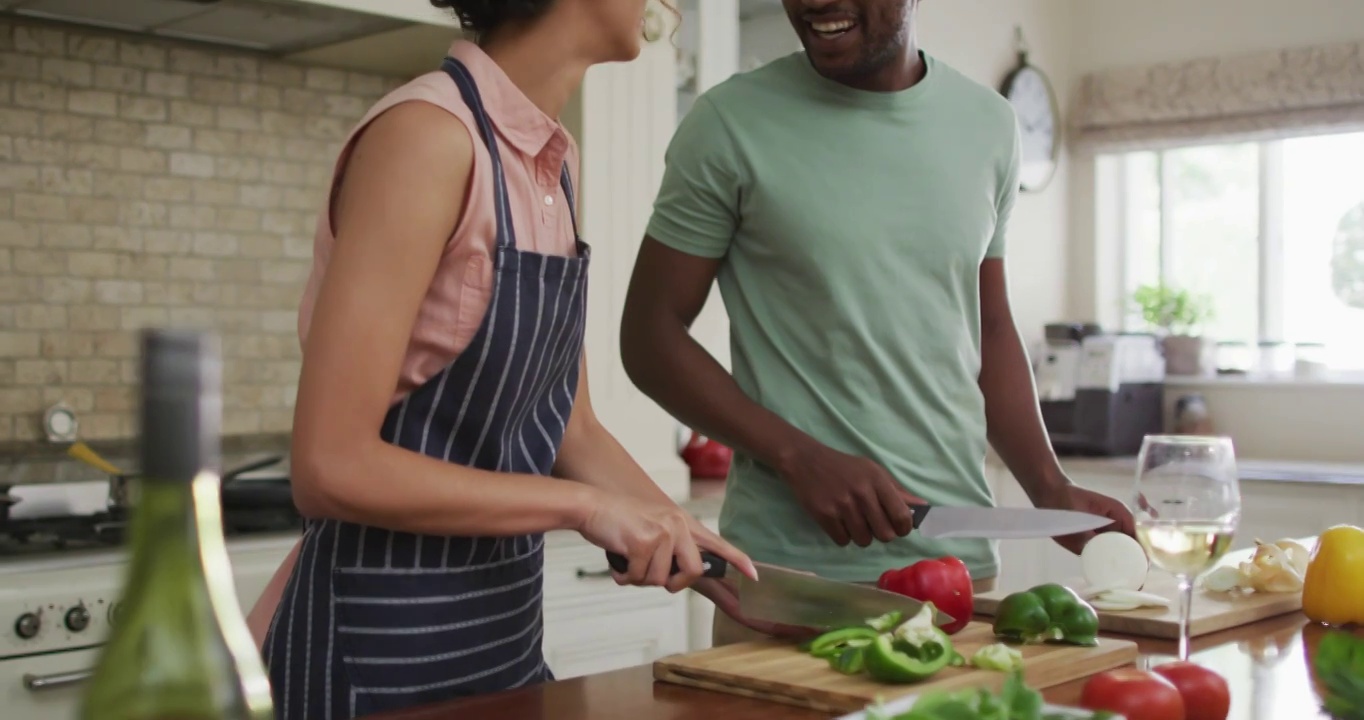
(54, 519)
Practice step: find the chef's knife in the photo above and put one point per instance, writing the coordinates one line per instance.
(791, 597)
(945, 521)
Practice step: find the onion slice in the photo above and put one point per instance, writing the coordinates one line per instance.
(1114, 561)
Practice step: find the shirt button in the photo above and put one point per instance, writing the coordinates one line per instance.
(549, 199)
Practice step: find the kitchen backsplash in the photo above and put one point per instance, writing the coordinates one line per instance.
(148, 183)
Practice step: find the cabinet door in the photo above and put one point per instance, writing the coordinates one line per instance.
(593, 625)
(581, 642)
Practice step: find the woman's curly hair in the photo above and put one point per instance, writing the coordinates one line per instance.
(481, 16)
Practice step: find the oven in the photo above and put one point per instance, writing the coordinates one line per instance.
(55, 610)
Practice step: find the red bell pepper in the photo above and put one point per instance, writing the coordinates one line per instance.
(945, 582)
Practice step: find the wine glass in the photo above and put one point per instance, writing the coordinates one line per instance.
(1188, 504)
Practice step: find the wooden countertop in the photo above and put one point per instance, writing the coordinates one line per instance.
(1266, 665)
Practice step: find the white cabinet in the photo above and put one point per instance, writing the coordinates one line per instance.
(593, 625)
(700, 609)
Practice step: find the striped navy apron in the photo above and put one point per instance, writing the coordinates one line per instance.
(374, 620)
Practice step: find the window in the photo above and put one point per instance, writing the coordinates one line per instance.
(1271, 234)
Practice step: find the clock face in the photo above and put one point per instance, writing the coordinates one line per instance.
(1035, 107)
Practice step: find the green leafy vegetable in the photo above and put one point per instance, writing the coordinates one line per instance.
(1015, 701)
(999, 657)
(1339, 664)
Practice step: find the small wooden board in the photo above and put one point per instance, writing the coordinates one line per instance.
(1211, 612)
(780, 672)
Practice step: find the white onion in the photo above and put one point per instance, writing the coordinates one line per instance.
(1114, 561)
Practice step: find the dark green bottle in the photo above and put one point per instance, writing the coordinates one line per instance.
(180, 648)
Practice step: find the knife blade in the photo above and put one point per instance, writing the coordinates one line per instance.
(790, 597)
(795, 598)
(1001, 523)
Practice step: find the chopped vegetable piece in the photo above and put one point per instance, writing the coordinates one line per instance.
(1114, 561)
(886, 622)
(1048, 612)
(851, 661)
(831, 643)
(899, 661)
(945, 582)
(999, 657)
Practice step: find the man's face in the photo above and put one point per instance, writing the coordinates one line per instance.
(850, 39)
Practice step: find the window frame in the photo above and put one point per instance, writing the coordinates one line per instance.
(1270, 242)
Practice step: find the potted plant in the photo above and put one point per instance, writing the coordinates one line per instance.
(1178, 315)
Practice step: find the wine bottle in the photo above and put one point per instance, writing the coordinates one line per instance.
(179, 648)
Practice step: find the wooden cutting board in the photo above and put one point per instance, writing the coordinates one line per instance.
(1211, 612)
(780, 672)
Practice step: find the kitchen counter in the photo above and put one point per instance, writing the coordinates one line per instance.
(1249, 469)
(1265, 663)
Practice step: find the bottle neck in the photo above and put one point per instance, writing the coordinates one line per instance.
(176, 529)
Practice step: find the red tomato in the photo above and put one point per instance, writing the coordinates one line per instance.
(1205, 693)
(1134, 694)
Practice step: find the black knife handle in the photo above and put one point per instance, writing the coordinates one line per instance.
(919, 512)
(713, 565)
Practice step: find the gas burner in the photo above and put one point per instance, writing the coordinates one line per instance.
(22, 538)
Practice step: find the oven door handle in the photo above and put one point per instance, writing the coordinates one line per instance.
(36, 683)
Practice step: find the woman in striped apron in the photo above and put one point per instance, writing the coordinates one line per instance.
(449, 258)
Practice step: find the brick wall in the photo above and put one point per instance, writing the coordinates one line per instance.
(153, 183)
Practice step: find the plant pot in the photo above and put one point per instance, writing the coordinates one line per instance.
(1188, 355)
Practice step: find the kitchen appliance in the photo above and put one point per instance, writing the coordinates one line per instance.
(62, 569)
(1100, 393)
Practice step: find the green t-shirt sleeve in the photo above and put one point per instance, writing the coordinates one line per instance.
(1007, 194)
(697, 209)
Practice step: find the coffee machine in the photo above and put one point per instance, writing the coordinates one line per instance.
(1101, 393)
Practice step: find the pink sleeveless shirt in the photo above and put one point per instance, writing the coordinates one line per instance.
(533, 148)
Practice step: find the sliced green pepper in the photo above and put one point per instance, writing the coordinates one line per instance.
(851, 661)
(998, 657)
(1047, 612)
(832, 643)
(896, 660)
(886, 622)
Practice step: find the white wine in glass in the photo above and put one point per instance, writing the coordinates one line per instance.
(1188, 503)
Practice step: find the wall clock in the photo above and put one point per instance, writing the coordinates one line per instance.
(1030, 93)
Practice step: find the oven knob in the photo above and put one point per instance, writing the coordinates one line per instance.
(77, 618)
(114, 610)
(28, 625)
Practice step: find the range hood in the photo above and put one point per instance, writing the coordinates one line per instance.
(275, 26)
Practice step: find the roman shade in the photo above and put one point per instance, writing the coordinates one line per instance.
(1258, 96)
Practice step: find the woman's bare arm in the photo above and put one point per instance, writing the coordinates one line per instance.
(394, 213)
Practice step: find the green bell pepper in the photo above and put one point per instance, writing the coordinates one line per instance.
(851, 661)
(832, 644)
(897, 660)
(1047, 612)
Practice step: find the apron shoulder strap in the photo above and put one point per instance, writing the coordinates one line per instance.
(567, 183)
(468, 89)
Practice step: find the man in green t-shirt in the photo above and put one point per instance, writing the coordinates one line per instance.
(852, 201)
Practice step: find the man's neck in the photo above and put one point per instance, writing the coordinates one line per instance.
(539, 62)
(903, 73)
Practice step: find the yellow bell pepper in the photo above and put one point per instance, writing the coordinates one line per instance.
(1333, 589)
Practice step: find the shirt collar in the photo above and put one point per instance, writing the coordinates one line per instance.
(517, 119)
